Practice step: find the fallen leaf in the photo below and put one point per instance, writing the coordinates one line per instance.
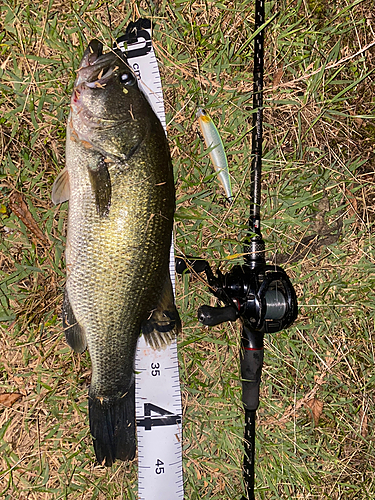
(316, 408)
(18, 206)
(9, 398)
(357, 119)
(353, 209)
(277, 77)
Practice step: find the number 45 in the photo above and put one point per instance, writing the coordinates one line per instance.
(159, 470)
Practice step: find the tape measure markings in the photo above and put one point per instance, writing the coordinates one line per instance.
(158, 396)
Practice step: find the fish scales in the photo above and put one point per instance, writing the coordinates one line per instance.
(120, 186)
(112, 246)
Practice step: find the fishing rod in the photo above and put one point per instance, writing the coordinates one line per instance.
(260, 295)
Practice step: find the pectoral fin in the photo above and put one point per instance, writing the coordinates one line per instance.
(101, 186)
(164, 323)
(74, 334)
(61, 188)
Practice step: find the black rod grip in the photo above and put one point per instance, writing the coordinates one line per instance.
(251, 372)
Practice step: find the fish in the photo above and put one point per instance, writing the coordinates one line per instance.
(119, 182)
(217, 154)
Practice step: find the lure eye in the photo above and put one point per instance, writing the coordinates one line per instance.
(127, 79)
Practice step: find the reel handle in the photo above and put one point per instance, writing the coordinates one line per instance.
(189, 264)
(211, 316)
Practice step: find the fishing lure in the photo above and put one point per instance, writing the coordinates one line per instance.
(217, 154)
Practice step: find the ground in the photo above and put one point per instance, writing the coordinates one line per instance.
(315, 427)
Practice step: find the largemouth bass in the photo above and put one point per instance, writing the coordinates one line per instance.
(119, 183)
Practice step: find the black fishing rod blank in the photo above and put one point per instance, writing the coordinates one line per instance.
(257, 133)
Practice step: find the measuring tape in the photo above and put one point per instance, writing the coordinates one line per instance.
(157, 393)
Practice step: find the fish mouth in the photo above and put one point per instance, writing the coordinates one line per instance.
(88, 104)
(96, 68)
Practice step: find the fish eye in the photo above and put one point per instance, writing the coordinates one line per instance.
(128, 79)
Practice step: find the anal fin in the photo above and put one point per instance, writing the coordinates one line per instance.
(163, 323)
(74, 334)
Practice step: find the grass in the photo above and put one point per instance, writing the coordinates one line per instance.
(315, 428)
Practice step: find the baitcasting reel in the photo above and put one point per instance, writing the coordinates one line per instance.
(260, 294)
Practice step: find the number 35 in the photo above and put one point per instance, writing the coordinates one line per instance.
(154, 367)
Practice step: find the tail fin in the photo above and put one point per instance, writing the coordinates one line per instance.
(112, 426)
